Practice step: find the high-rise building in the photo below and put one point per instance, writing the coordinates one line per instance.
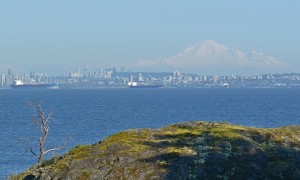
(10, 72)
(123, 69)
(2, 80)
(10, 76)
(32, 75)
(114, 70)
(176, 74)
(85, 73)
(101, 72)
(26, 78)
(131, 78)
(108, 73)
(140, 78)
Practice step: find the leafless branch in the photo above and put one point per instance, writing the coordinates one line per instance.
(56, 149)
(31, 150)
(42, 120)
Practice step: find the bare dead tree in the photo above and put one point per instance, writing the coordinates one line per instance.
(41, 120)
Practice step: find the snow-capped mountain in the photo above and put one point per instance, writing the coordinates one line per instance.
(212, 57)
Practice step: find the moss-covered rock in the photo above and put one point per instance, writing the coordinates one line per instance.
(191, 150)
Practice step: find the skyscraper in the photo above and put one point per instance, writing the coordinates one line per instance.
(10, 72)
(131, 78)
(141, 77)
(2, 80)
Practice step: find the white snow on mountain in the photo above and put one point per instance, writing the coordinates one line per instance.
(211, 57)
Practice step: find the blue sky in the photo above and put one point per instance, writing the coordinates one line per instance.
(56, 36)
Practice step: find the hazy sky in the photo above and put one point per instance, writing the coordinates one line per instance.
(56, 36)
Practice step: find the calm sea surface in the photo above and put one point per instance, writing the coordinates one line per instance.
(91, 115)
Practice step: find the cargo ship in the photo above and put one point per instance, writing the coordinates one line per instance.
(18, 84)
(137, 85)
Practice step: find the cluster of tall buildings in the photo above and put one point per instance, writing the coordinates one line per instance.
(28, 78)
(112, 78)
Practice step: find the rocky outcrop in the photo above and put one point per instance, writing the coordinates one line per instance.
(191, 150)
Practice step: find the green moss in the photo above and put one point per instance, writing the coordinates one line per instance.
(177, 130)
(227, 132)
(193, 144)
(20, 176)
(84, 176)
(130, 140)
(77, 153)
(80, 151)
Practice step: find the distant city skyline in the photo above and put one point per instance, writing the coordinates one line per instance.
(112, 78)
(60, 36)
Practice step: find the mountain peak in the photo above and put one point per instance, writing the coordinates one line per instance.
(204, 47)
(209, 44)
(211, 57)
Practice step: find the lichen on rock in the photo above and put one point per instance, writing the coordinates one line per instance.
(191, 150)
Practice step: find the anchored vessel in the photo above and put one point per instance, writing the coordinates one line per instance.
(18, 84)
(136, 85)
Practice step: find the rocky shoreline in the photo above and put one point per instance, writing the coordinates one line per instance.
(190, 150)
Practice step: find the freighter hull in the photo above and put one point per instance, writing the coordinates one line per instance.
(146, 86)
(35, 86)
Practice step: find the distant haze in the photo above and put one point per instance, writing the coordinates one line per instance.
(210, 57)
(58, 36)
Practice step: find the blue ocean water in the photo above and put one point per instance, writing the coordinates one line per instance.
(91, 115)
